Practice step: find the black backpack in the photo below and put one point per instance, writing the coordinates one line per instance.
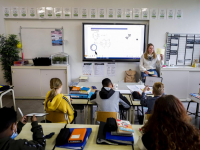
(63, 136)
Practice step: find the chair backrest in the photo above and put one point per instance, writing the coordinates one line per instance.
(102, 115)
(146, 118)
(55, 117)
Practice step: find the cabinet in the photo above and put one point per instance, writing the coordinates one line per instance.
(181, 81)
(33, 82)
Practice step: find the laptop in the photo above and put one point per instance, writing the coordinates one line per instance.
(151, 80)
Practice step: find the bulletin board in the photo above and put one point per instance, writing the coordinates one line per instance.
(182, 49)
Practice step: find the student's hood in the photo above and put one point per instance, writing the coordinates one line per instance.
(53, 105)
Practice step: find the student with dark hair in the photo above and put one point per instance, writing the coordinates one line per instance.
(169, 127)
(107, 99)
(9, 129)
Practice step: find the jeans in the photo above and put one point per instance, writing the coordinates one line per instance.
(143, 75)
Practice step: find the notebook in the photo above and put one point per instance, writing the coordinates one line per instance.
(128, 140)
(77, 135)
(78, 146)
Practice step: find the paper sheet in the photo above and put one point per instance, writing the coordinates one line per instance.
(37, 114)
(87, 68)
(99, 69)
(139, 88)
(160, 51)
(111, 69)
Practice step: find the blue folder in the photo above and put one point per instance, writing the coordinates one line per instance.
(77, 145)
(128, 140)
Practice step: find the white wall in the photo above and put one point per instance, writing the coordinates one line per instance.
(73, 31)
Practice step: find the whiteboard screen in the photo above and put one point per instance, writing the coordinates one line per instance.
(38, 43)
(151, 80)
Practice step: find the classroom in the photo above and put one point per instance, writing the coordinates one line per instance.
(79, 53)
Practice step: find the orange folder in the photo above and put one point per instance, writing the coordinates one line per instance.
(77, 135)
(76, 89)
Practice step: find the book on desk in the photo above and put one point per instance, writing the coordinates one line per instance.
(78, 146)
(104, 137)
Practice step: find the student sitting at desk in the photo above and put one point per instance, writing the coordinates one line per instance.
(56, 101)
(107, 99)
(158, 91)
(9, 129)
(169, 127)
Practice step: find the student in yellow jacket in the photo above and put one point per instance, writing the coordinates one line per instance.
(57, 102)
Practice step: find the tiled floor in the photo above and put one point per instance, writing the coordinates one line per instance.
(30, 106)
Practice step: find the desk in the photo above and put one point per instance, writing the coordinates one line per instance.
(91, 143)
(121, 87)
(2, 93)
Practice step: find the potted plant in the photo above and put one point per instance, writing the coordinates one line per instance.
(56, 60)
(64, 60)
(9, 53)
(61, 60)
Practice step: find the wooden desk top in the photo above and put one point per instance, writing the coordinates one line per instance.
(91, 143)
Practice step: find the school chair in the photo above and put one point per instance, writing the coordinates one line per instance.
(197, 109)
(146, 118)
(103, 115)
(56, 117)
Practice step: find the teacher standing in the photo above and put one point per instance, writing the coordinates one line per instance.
(149, 61)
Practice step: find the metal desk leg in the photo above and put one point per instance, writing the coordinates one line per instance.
(89, 112)
(10, 90)
(197, 110)
(129, 111)
(13, 98)
(86, 110)
(133, 117)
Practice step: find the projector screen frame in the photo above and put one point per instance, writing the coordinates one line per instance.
(113, 60)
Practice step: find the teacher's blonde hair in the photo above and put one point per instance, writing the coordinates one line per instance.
(146, 52)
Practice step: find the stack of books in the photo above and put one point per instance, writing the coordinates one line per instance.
(85, 90)
(78, 138)
(123, 135)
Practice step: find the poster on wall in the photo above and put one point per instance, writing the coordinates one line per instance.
(128, 13)
(119, 13)
(99, 69)
(111, 69)
(32, 12)
(170, 14)
(154, 13)
(58, 12)
(75, 12)
(179, 14)
(102, 13)
(162, 14)
(93, 13)
(136, 13)
(6, 12)
(110, 13)
(15, 12)
(67, 12)
(84, 13)
(41, 12)
(49, 12)
(56, 37)
(87, 69)
(23, 12)
(145, 13)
